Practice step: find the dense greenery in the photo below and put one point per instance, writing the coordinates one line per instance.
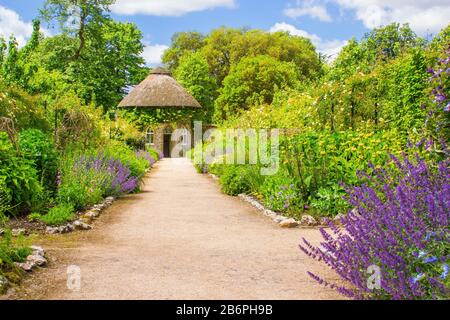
(63, 146)
(369, 103)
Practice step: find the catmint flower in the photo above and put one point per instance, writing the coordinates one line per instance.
(444, 274)
(421, 254)
(430, 260)
(418, 277)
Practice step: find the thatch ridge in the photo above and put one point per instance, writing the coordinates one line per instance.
(159, 90)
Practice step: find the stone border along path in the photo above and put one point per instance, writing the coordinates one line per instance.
(181, 238)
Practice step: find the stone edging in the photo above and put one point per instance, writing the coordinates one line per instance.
(34, 260)
(282, 221)
(85, 218)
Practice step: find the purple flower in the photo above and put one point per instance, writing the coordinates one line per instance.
(430, 260)
(395, 210)
(444, 274)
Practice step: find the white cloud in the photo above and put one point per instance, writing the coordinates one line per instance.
(308, 9)
(171, 8)
(11, 23)
(423, 16)
(330, 48)
(153, 54)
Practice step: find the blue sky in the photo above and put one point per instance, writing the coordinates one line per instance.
(328, 23)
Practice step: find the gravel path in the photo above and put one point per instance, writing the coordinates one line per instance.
(181, 238)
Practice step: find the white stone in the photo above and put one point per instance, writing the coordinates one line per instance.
(36, 260)
(289, 223)
(308, 220)
(79, 225)
(38, 250)
(51, 230)
(18, 232)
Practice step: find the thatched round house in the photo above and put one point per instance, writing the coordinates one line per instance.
(160, 94)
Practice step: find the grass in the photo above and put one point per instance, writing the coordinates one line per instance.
(58, 215)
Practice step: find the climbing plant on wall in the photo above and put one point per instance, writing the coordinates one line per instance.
(145, 117)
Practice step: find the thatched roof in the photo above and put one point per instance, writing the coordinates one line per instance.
(159, 90)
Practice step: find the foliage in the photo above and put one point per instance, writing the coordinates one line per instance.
(400, 225)
(87, 179)
(182, 43)
(39, 148)
(19, 178)
(21, 108)
(155, 155)
(321, 160)
(57, 215)
(280, 193)
(148, 117)
(128, 157)
(11, 252)
(233, 181)
(253, 81)
(193, 74)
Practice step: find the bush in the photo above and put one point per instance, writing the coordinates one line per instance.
(280, 193)
(11, 252)
(39, 148)
(233, 180)
(320, 161)
(329, 201)
(86, 180)
(154, 154)
(127, 156)
(400, 225)
(58, 215)
(19, 179)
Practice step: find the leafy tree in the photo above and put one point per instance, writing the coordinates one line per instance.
(225, 47)
(96, 57)
(77, 17)
(254, 81)
(11, 69)
(193, 74)
(381, 44)
(3, 48)
(182, 43)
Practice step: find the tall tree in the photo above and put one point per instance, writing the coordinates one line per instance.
(254, 81)
(182, 43)
(11, 69)
(193, 74)
(77, 17)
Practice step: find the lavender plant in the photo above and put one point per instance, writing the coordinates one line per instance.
(400, 224)
(87, 179)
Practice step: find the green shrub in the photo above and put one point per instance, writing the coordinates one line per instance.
(20, 180)
(127, 156)
(153, 153)
(234, 181)
(11, 252)
(80, 187)
(321, 160)
(39, 148)
(60, 214)
(328, 201)
(280, 193)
